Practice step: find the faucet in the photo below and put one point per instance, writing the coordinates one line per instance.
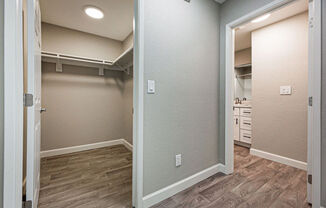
(237, 101)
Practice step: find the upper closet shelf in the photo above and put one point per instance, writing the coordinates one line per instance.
(123, 63)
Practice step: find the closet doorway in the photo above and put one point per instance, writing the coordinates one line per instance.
(79, 133)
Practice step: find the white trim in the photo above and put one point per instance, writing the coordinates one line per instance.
(164, 193)
(67, 150)
(128, 145)
(138, 118)
(280, 159)
(315, 92)
(13, 104)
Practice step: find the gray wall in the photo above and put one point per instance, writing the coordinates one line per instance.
(1, 100)
(230, 11)
(271, 112)
(181, 55)
(323, 110)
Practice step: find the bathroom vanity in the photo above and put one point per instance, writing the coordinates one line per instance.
(242, 123)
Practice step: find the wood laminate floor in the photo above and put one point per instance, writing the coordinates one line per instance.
(100, 178)
(255, 183)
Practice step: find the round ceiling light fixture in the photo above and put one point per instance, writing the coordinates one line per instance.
(261, 18)
(94, 12)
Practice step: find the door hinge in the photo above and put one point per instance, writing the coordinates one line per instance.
(310, 101)
(27, 204)
(28, 100)
(311, 22)
(310, 179)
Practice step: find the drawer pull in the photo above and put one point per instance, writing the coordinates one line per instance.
(246, 123)
(247, 137)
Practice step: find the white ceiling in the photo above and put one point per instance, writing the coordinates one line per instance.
(116, 24)
(243, 34)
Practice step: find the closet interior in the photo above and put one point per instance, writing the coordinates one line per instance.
(87, 95)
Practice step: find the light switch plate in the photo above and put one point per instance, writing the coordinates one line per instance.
(150, 86)
(178, 160)
(285, 90)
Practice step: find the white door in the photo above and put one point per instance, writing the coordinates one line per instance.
(34, 112)
(314, 91)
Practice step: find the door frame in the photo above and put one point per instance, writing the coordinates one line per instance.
(138, 104)
(13, 104)
(314, 63)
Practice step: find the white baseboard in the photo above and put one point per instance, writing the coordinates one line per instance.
(67, 150)
(127, 145)
(164, 193)
(280, 159)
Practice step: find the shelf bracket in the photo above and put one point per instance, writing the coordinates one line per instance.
(101, 71)
(58, 66)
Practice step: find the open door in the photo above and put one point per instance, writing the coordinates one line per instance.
(33, 112)
(314, 109)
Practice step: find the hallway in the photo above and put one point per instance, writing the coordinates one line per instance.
(256, 182)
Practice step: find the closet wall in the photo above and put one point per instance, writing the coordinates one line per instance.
(83, 107)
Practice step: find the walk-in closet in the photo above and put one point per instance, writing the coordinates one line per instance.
(87, 103)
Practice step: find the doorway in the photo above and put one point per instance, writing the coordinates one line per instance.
(101, 69)
(241, 80)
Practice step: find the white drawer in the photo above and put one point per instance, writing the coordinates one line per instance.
(245, 112)
(236, 111)
(245, 123)
(245, 136)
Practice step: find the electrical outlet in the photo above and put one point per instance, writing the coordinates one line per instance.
(178, 160)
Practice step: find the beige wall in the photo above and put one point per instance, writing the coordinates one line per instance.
(128, 42)
(82, 107)
(72, 42)
(128, 105)
(280, 57)
(242, 57)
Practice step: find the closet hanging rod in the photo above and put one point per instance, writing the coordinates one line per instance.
(244, 75)
(75, 58)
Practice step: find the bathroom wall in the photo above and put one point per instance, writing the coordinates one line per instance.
(242, 57)
(279, 122)
(243, 84)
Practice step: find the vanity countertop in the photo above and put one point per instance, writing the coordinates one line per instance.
(241, 106)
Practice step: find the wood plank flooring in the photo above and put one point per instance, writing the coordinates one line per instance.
(100, 178)
(255, 183)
